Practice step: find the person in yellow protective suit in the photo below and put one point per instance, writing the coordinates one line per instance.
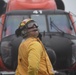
(32, 56)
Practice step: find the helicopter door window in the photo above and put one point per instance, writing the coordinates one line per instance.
(41, 21)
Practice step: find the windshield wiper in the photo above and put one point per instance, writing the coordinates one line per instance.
(52, 24)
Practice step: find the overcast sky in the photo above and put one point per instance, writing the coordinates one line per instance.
(70, 5)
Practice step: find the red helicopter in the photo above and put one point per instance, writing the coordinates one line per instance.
(58, 34)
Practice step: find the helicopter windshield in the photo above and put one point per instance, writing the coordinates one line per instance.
(45, 23)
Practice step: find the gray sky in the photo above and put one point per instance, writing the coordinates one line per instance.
(70, 5)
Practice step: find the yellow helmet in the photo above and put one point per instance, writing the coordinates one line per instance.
(25, 22)
(23, 25)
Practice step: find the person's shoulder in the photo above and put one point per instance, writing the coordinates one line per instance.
(35, 43)
(30, 41)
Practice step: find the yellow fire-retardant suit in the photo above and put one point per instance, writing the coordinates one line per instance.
(33, 59)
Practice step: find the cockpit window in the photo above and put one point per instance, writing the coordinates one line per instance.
(60, 21)
(46, 22)
(41, 21)
(12, 23)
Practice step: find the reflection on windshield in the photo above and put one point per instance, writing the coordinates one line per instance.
(44, 22)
